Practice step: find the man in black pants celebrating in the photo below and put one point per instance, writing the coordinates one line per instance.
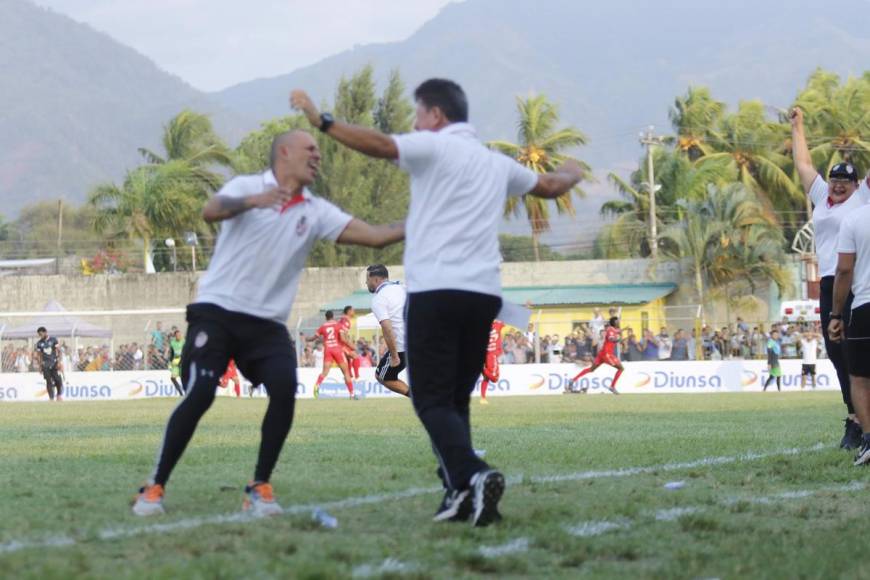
(270, 221)
(458, 190)
(49, 362)
(832, 203)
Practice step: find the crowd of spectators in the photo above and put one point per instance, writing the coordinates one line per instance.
(734, 341)
(133, 356)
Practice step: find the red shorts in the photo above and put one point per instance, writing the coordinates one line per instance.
(335, 355)
(350, 353)
(490, 369)
(606, 358)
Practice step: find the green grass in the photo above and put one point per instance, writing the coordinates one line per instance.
(72, 469)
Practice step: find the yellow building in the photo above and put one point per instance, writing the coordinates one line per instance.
(561, 309)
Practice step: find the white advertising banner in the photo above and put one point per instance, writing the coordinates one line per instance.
(638, 378)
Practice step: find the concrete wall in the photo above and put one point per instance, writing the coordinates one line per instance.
(318, 286)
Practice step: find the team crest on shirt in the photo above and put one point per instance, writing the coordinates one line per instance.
(302, 226)
(200, 339)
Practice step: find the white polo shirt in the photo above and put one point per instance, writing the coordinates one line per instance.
(855, 239)
(826, 221)
(458, 192)
(388, 303)
(260, 253)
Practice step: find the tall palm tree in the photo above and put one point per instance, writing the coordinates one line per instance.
(190, 137)
(726, 237)
(153, 201)
(542, 147)
(695, 118)
(837, 120)
(746, 144)
(677, 177)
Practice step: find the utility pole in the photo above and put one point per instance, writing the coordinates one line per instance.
(649, 139)
(59, 236)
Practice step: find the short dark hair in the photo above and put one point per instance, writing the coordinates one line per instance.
(347, 309)
(329, 315)
(447, 96)
(614, 321)
(41, 329)
(378, 270)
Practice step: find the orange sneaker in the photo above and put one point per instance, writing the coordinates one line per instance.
(260, 500)
(149, 502)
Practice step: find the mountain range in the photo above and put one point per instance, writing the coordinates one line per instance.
(76, 104)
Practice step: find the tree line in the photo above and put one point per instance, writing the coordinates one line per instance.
(727, 196)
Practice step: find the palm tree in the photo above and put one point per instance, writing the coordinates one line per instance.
(154, 201)
(746, 145)
(727, 237)
(541, 147)
(677, 177)
(190, 137)
(695, 118)
(837, 120)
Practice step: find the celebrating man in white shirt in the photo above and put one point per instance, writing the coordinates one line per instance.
(270, 222)
(832, 202)
(452, 261)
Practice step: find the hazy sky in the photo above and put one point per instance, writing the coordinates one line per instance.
(213, 44)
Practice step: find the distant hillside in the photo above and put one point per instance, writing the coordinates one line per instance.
(614, 66)
(75, 105)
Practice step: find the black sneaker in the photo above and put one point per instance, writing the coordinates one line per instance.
(455, 507)
(852, 437)
(487, 488)
(863, 457)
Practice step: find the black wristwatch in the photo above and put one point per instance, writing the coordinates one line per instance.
(326, 122)
(833, 316)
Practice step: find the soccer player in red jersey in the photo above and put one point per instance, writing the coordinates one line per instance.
(333, 352)
(607, 356)
(232, 374)
(493, 351)
(353, 358)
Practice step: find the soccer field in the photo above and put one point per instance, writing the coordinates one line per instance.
(766, 493)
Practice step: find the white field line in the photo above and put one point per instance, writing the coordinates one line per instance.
(596, 528)
(592, 528)
(513, 547)
(113, 533)
(388, 566)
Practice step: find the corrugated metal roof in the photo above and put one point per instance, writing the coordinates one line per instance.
(604, 295)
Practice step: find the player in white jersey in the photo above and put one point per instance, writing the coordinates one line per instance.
(388, 306)
(270, 221)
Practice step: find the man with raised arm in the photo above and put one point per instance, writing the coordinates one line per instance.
(452, 263)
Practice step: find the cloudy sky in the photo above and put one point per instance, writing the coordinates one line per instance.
(213, 44)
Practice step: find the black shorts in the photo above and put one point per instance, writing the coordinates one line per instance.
(858, 342)
(385, 372)
(808, 370)
(261, 348)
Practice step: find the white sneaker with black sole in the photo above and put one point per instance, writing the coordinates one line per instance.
(487, 487)
(863, 457)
